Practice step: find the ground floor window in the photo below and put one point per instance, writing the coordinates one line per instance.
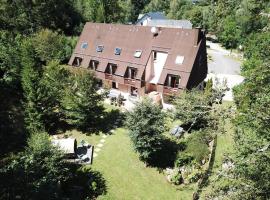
(114, 85)
(99, 83)
(133, 91)
(172, 81)
(77, 62)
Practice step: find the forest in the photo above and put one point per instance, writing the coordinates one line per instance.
(40, 95)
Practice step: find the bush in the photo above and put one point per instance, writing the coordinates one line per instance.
(197, 146)
(183, 159)
(177, 178)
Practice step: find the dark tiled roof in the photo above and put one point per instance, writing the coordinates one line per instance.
(174, 41)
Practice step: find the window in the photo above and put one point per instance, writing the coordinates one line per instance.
(131, 73)
(179, 60)
(114, 85)
(111, 68)
(77, 62)
(133, 91)
(155, 55)
(84, 45)
(172, 81)
(93, 64)
(138, 53)
(99, 48)
(117, 51)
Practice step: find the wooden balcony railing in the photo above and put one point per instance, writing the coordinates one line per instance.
(129, 81)
(170, 90)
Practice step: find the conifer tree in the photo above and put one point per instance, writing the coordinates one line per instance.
(31, 75)
(82, 105)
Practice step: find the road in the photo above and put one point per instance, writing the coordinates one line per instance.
(224, 65)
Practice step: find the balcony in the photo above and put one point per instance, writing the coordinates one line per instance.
(108, 76)
(170, 90)
(129, 81)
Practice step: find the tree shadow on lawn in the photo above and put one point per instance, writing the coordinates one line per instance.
(110, 120)
(106, 121)
(166, 156)
(84, 183)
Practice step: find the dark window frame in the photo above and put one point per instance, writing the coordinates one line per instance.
(77, 61)
(95, 62)
(131, 73)
(172, 81)
(111, 68)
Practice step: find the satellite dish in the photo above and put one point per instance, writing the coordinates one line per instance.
(154, 30)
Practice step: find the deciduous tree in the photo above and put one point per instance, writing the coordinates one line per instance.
(146, 124)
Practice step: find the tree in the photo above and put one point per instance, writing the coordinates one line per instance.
(31, 75)
(50, 46)
(146, 125)
(230, 34)
(138, 6)
(52, 86)
(158, 6)
(193, 109)
(82, 105)
(178, 8)
(36, 172)
(252, 154)
(29, 16)
(9, 60)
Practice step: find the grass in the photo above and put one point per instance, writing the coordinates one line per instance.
(126, 176)
(91, 139)
(224, 146)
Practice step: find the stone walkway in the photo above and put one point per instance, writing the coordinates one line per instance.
(100, 145)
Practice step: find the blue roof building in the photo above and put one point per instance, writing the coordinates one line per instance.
(143, 19)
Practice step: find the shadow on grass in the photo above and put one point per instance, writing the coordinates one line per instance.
(84, 184)
(103, 122)
(166, 156)
(110, 120)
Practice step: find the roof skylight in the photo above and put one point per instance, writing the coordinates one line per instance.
(84, 45)
(99, 48)
(138, 53)
(117, 51)
(179, 60)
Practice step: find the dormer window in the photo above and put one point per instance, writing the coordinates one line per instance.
(99, 48)
(84, 45)
(117, 51)
(93, 64)
(131, 73)
(179, 60)
(172, 81)
(138, 53)
(111, 68)
(77, 62)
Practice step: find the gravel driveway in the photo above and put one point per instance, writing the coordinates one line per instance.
(224, 65)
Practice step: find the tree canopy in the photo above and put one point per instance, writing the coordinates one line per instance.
(146, 124)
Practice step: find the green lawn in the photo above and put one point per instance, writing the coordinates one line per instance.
(126, 176)
(92, 139)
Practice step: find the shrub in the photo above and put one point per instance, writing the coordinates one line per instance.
(197, 146)
(183, 159)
